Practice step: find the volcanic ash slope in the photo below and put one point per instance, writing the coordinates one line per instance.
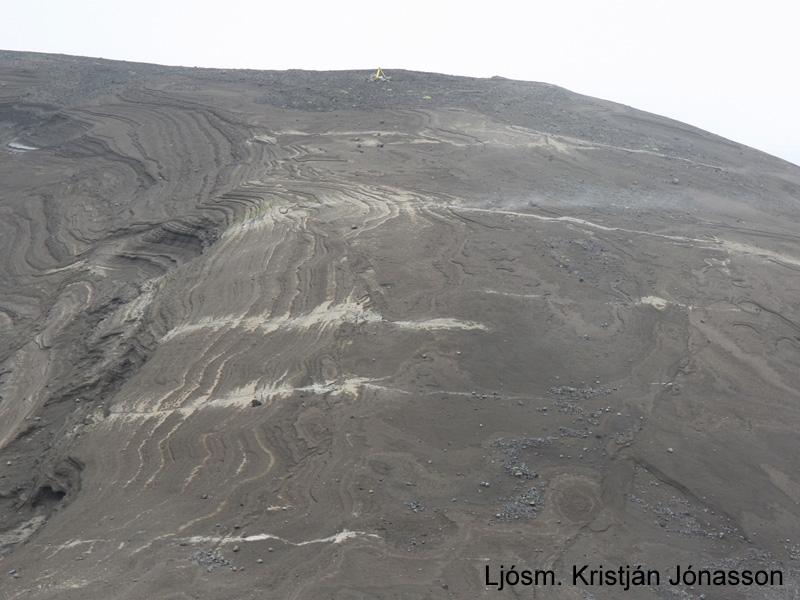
(307, 335)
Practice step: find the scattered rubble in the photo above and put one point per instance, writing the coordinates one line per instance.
(580, 393)
(525, 506)
(514, 465)
(210, 559)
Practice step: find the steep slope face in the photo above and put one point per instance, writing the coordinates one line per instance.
(312, 336)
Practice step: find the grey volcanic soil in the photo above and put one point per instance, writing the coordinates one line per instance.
(305, 335)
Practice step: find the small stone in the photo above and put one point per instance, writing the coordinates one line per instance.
(670, 450)
(260, 561)
(236, 548)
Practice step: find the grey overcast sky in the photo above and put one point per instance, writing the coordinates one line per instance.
(729, 67)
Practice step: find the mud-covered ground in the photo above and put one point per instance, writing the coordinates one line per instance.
(308, 335)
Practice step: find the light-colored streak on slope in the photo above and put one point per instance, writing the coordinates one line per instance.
(163, 451)
(196, 471)
(442, 323)
(324, 315)
(333, 539)
(159, 419)
(711, 242)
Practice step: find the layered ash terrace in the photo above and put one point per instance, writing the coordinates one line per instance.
(294, 323)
